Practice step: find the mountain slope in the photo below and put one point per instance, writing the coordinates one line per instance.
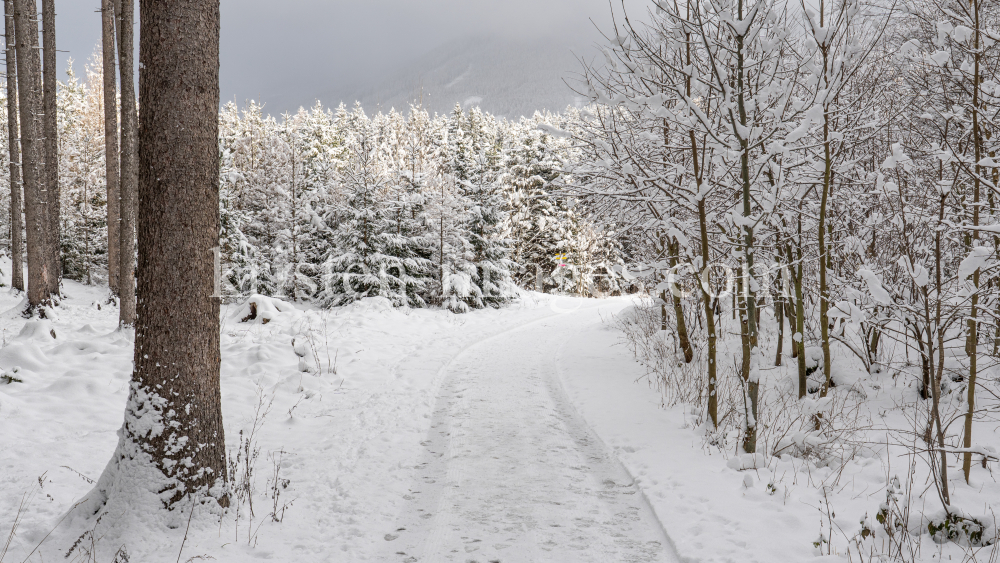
(502, 76)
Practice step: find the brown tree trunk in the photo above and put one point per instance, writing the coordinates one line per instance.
(708, 296)
(779, 315)
(824, 287)
(798, 326)
(125, 11)
(790, 317)
(973, 346)
(51, 132)
(13, 132)
(682, 333)
(110, 138)
(177, 333)
(29, 93)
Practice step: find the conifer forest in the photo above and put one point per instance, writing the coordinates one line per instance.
(735, 298)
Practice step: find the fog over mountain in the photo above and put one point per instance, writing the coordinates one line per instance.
(503, 76)
(513, 55)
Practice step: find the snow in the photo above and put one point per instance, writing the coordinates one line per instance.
(262, 309)
(520, 434)
(351, 428)
(875, 288)
(976, 260)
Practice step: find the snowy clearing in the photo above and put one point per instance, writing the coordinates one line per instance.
(523, 434)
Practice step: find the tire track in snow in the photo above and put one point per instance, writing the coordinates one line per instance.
(512, 473)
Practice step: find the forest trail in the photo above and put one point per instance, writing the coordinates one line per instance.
(510, 471)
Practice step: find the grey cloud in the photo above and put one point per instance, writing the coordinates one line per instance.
(292, 52)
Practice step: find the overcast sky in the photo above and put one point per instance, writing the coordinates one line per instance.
(287, 53)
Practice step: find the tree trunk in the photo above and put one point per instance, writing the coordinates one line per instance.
(873, 343)
(708, 297)
(682, 332)
(790, 317)
(51, 133)
(177, 334)
(824, 288)
(709, 301)
(798, 334)
(779, 314)
(29, 93)
(128, 187)
(973, 313)
(749, 295)
(13, 133)
(110, 138)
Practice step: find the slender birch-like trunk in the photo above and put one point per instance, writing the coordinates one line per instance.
(973, 343)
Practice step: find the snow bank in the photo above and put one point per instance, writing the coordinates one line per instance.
(262, 308)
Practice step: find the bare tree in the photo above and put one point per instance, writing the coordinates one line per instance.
(177, 334)
(29, 93)
(110, 137)
(51, 133)
(16, 227)
(128, 186)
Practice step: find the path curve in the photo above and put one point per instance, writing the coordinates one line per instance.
(511, 473)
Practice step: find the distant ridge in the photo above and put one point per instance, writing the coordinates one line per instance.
(504, 77)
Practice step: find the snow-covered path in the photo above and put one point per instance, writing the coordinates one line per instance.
(512, 473)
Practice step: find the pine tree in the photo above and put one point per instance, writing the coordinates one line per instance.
(36, 208)
(369, 259)
(83, 240)
(13, 153)
(50, 131)
(538, 221)
(129, 174)
(111, 162)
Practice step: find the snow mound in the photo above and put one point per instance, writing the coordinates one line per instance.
(262, 308)
(37, 330)
(376, 304)
(747, 461)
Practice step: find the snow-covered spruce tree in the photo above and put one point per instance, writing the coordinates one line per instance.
(83, 234)
(491, 249)
(475, 150)
(305, 240)
(451, 249)
(249, 156)
(539, 223)
(369, 259)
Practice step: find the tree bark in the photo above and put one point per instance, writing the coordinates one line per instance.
(108, 46)
(973, 346)
(29, 93)
(682, 333)
(799, 327)
(749, 295)
(13, 133)
(51, 132)
(708, 296)
(124, 10)
(824, 288)
(177, 333)
(779, 312)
